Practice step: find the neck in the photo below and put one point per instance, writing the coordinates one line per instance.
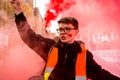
(67, 42)
(70, 42)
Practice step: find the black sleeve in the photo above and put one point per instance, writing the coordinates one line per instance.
(35, 41)
(95, 71)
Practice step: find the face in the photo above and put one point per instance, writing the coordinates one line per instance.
(67, 33)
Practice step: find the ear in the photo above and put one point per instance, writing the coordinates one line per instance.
(77, 31)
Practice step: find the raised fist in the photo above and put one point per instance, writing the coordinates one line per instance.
(16, 5)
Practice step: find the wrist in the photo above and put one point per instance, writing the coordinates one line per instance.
(18, 11)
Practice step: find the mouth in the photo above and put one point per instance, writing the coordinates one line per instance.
(63, 37)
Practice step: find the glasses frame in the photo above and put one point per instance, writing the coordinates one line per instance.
(66, 30)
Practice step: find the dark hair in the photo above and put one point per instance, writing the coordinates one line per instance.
(69, 20)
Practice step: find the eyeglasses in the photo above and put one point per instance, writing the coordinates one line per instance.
(66, 29)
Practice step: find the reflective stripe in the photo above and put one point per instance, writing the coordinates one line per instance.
(80, 78)
(48, 69)
(46, 75)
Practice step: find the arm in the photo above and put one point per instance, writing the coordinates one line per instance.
(95, 72)
(35, 41)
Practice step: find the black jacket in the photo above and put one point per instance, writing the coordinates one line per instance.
(42, 46)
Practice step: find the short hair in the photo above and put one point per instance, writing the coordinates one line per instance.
(69, 20)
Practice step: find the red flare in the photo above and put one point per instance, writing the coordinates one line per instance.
(55, 7)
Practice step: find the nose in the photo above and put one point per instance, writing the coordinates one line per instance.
(62, 33)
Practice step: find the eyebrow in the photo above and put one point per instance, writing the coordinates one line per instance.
(66, 27)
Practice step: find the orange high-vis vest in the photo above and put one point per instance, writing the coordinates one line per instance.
(80, 64)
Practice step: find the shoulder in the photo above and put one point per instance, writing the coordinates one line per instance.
(82, 44)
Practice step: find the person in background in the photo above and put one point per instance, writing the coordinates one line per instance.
(66, 58)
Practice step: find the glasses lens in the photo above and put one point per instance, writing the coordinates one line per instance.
(60, 30)
(67, 30)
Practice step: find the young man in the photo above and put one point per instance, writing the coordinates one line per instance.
(66, 59)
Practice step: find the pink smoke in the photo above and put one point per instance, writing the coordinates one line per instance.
(99, 22)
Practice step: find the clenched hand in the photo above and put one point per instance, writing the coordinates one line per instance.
(16, 5)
